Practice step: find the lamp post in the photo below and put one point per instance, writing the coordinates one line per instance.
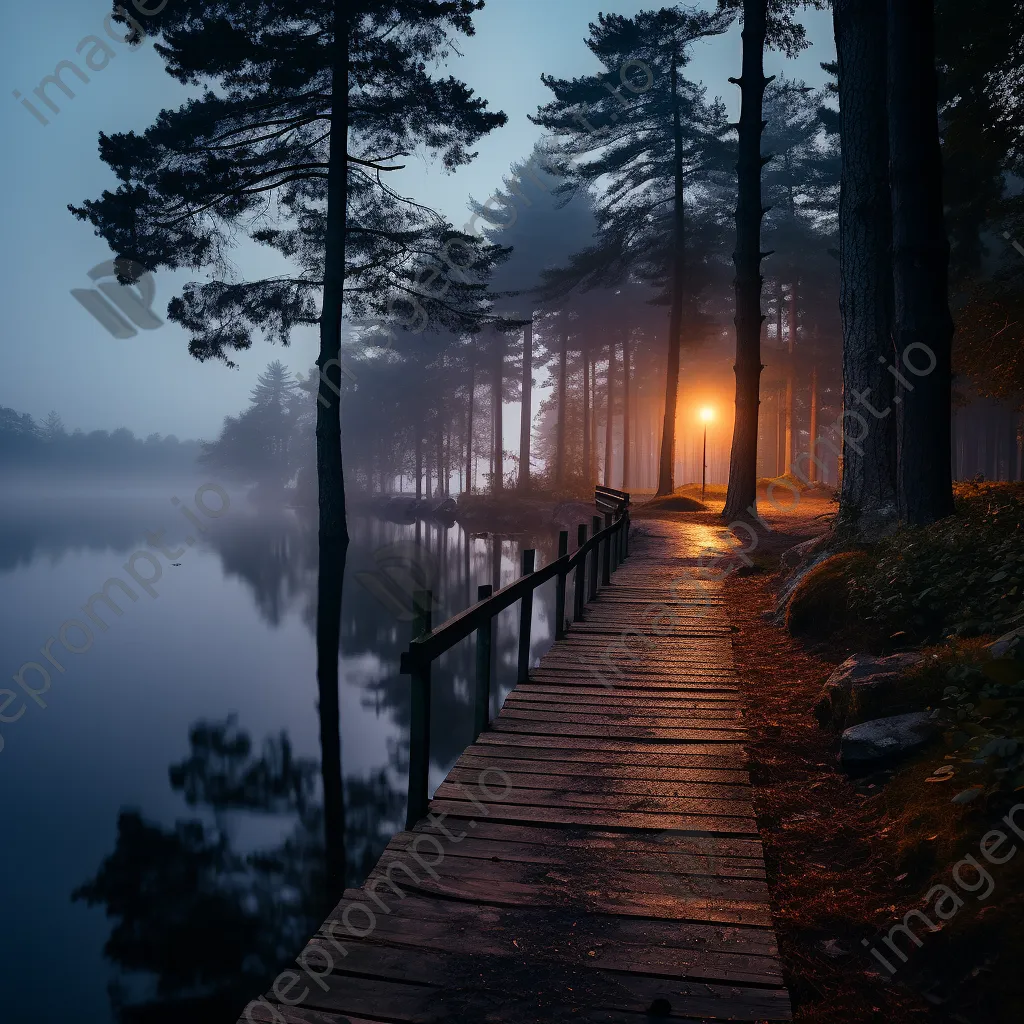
(706, 414)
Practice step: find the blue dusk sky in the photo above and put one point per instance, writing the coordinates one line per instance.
(56, 356)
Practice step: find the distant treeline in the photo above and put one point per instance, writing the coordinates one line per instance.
(48, 450)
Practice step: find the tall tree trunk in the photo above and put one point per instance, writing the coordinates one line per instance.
(469, 416)
(419, 454)
(923, 327)
(666, 480)
(868, 481)
(742, 494)
(497, 395)
(330, 475)
(585, 352)
(563, 351)
(1020, 448)
(780, 431)
(447, 459)
(778, 314)
(626, 432)
(790, 374)
(439, 457)
(593, 421)
(812, 470)
(526, 415)
(608, 423)
(1011, 448)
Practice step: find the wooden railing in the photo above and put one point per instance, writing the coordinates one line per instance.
(604, 550)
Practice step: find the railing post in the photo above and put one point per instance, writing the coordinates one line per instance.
(563, 550)
(606, 553)
(579, 580)
(526, 619)
(596, 524)
(419, 721)
(482, 703)
(616, 550)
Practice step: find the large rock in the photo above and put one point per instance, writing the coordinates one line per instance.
(799, 566)
(792, 557)
(885, 739)
(1009, 645)
(862, 686)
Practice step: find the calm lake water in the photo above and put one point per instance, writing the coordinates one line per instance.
(163, 821)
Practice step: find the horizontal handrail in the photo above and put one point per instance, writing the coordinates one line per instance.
(432, 645)
(458, 627)
(608, 546)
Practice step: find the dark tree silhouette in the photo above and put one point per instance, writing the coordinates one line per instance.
(312, 106)
(923, 326)
(649, 148)
(206, 922)
(868, 503)
(256, 445)
(543, 232)
(765, 22)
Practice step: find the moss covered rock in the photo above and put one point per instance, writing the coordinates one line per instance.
(819, 604)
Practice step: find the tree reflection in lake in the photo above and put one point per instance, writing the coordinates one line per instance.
(207, 911)
(205, 914)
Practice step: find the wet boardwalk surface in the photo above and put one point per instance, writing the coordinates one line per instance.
(592, 857)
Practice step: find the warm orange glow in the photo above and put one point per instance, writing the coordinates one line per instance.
(707, 414)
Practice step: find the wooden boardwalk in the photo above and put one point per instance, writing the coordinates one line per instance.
(593, 857)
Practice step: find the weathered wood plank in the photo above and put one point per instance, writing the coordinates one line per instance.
(590, 784)
(506, 812)
(629, 769)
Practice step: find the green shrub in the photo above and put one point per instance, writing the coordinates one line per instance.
(961, 576)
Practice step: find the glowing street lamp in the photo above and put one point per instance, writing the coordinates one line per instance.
(707, 414)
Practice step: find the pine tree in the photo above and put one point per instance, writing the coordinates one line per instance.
(275, 387)
(52, 428)
(543, 232)
(653, 149)
(256, 446)
(306, 111)
(765, 23)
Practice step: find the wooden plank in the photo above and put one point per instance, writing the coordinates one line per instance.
(569, 796)
(614, 716)
(626, 732)
(589, 784)
(579, 748)
(716, 824)
(655, 862)
(639, 769)
(417, 921)
(555, 881)
(554, 693)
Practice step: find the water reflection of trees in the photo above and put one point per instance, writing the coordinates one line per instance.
(201, 922)
(276, 557)
(204, 913)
